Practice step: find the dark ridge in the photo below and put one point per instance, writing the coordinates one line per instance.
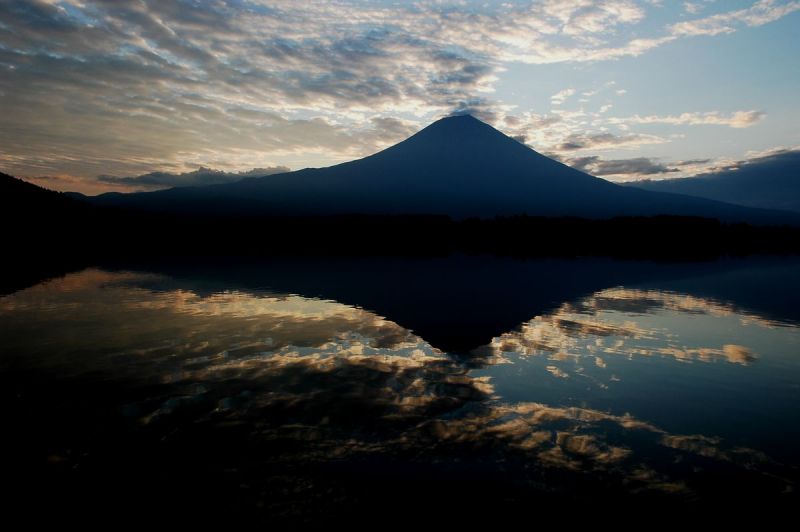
(18, 196)
(770, 182)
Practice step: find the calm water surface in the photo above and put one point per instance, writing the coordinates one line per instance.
(299, 391)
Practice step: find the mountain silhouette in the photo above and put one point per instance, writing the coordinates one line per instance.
(769, 182)
(457, 166)
(25, 202)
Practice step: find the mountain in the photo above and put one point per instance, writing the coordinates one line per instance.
(769, 182)
(457, 166)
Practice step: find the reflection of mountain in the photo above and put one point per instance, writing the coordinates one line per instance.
(457, 166)
(283, 406)
(458, 303)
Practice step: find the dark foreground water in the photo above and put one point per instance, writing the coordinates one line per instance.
(459, 389)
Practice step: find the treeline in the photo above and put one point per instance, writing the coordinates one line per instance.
(68, 232)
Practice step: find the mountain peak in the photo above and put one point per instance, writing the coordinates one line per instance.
(460, 121)
(462, 117)
(459, 129)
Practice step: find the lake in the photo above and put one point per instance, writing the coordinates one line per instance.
(304, 390)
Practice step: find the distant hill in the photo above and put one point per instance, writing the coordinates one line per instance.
(19, 198)
(457, 166)
(770, 182)
(200, 177)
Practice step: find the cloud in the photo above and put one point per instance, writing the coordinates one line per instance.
(760, 13)
(600, 141)
(692, 8)
(561, 96)
(199, 177)
(739, 119)
(480, 108)
(782, 161)
(628, 169)
(636, 166)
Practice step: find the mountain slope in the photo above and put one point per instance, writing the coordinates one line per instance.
(771, 182)
(458, 166)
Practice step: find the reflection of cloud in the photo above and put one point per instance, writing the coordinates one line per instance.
(713, 448)
(560, 333)
(605, 323)
(556, 372)
(232, 325)
(575, 439)
(735, 354)
(646, 301)
(738, 354)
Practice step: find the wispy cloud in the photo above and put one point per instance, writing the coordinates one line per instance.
(600, 141)
(760, 13)
(739, 119)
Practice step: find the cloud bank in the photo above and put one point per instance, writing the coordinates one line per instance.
(199, 177)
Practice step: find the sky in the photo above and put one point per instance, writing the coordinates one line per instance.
(102, 95)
